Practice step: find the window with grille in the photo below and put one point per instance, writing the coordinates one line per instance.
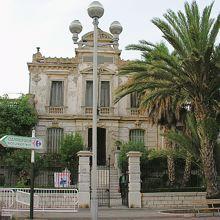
(56, 93)
(89, 94)
(136, 135)
(105, 94)
(54, 137)
(134, 100)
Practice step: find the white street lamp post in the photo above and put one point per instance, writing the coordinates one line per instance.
(95, 11)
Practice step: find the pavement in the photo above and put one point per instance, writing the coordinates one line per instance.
(113, 214)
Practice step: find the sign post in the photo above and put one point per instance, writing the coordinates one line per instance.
(32, 181)
(31, 143)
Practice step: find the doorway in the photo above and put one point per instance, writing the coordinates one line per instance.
(101, 145)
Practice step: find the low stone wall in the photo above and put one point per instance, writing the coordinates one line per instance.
(170, 199)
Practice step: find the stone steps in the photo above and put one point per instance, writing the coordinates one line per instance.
(115, 196)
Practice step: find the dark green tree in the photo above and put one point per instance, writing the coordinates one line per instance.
(17, 117)
(18, 162)
(70, 145)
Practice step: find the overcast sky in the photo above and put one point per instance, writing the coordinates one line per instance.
(27, 24)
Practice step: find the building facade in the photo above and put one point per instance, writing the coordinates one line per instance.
(62, 89)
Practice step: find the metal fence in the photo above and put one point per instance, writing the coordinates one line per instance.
(154, 176)
(44, 199)
(44, 178)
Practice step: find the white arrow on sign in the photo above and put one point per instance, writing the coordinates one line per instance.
(13, 141)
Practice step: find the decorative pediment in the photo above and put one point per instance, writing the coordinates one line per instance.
(101, 70)
(102, 36)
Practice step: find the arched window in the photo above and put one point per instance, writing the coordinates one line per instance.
(136, 135)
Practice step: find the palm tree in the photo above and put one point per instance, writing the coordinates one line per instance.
(188, 142)
(161, 110)
(187, 76)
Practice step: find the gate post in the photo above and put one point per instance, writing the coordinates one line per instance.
(134, 183)
(84, 178)
(117, 152)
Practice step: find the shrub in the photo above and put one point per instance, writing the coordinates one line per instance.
(70, 145)
(131, 146)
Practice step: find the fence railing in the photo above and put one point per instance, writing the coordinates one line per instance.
(44, 199)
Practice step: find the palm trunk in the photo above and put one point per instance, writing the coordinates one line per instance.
(170, 162)
(171, 170)
(187, 170)
(207, 143)
(209, 168)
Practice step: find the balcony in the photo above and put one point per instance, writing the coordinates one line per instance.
(56, 110)
(102, 111)
(133, 111)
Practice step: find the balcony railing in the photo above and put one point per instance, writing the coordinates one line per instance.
(102, 110)
(55, 110)
(133, 111)
(88, 110)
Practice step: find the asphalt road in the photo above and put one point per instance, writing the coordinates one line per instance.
(114, 214)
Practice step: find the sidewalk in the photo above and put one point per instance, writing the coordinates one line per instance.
(111, 213)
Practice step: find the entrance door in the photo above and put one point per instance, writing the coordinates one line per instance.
(101, 145)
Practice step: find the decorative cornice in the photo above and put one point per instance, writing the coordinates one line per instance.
(84, 154)
(38, 58)
(134, 154)
(121, 119)
(36, 67)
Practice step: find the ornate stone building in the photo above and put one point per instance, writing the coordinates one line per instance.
(62, 88)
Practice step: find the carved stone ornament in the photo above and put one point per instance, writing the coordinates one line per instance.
(55, 122)
(36, 78)
(137, 124)
(102, 36)
(101, 69)
(75, 78)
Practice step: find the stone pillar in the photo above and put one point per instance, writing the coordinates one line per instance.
(84, 178)
(116, 159)
(134, 181)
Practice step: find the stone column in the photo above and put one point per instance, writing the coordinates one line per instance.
(84, 178)
(116, 159)
(134, 181)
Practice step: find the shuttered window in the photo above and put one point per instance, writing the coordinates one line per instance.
(134, 100)
(105, 94)
(56, 93)
(136, 135)
(54, 137)
(89, 94)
